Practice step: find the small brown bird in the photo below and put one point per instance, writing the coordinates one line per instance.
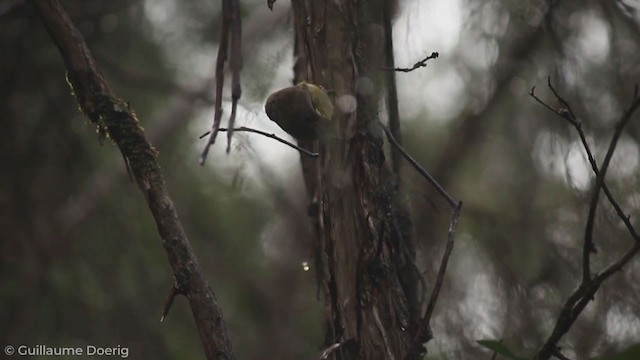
(304, 111)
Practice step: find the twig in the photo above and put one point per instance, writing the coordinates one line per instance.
(455, 215)
(173, 292)
(231, 31)
(603, 171)
(111, 114)
(392, 90)
(419, 64)
(581, 297)
(578, 126)
(423, 330)
(452, 202)
(235, 65)
(272, 136)
(566, 112)
(221, 59)
(79, 207)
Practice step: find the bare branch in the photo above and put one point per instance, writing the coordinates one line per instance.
(423, 332)
(221, 59)
(235, 65)
(578, 126)
(113, 116)
(419, 64)
(586, 291)
(452, 202)
(455, 215)
(392, 90)
(589, 245)
(230, 32)
(272, 136)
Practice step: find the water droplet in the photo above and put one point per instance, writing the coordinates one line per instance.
(305, 266)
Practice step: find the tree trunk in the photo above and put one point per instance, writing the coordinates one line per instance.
(361, 254)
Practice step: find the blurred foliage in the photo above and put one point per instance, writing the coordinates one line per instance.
(499, 348)
(82, 264)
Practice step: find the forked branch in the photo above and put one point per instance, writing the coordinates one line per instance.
(589, 285)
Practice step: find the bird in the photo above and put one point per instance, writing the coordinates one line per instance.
(304, 111)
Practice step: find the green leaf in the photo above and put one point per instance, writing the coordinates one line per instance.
(630, 353)
(499, 348)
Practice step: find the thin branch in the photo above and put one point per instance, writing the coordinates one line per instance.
(112, 115)
(578, 126)
(581, 297)
(272, 136)
(182, 106)
(423, 332)
(455, 215)
(235, 65)
(221, 59)
(566, 112)
(452, 202)
(603, 171)
(392, 90)
(619, 264)
(419, 64)
(173, 292)
(230, 37)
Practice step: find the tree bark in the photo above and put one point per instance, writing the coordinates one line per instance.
(340, 45)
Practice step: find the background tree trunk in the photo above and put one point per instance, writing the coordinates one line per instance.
(340, 45)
